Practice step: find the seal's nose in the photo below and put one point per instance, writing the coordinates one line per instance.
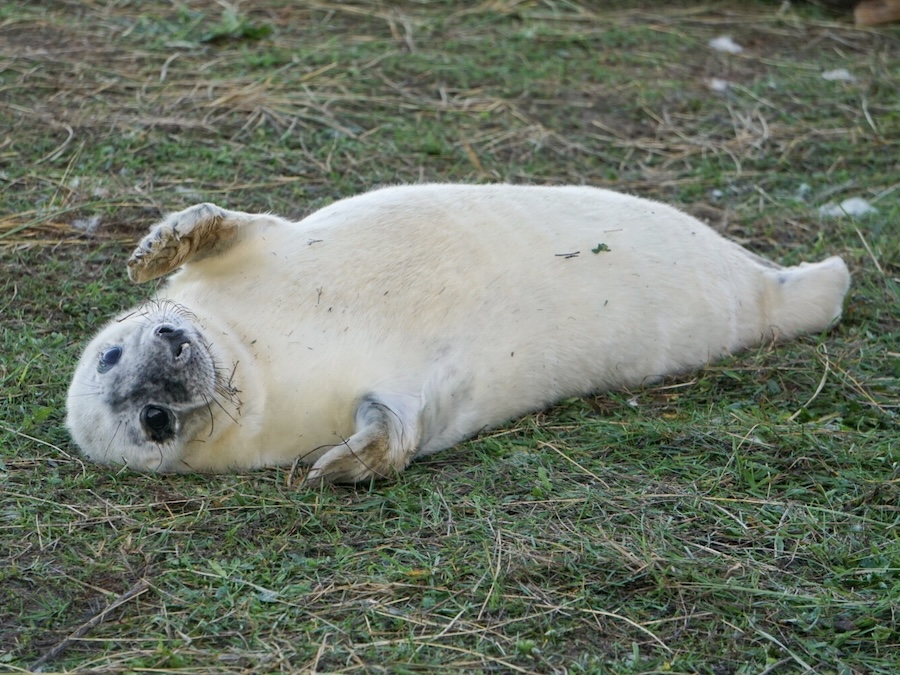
(174, 337)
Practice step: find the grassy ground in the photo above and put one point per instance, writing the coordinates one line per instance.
(740, 520)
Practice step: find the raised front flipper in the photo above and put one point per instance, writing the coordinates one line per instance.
(385, 441)
(197, 232)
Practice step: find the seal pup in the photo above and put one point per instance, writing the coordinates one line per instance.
(399, 322)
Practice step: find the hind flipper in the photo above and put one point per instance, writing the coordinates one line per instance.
(807, 298)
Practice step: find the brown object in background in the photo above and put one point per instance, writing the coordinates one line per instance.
(873, 12)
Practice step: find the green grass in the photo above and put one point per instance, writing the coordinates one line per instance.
(740, 520)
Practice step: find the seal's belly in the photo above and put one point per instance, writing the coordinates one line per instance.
(518, 335)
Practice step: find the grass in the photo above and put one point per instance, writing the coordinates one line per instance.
(740, 520)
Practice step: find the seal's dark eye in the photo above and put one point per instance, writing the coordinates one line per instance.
(109, 358)
(158, 422)
(155, 418)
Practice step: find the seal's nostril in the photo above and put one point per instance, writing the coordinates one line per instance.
(175, 338)
(170, 333)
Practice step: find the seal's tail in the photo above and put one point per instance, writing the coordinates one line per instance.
(807, 298)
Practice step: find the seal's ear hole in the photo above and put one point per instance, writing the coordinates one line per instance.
(109, 358)
(158, 422)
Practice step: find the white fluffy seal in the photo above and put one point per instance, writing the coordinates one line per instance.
(402, 321)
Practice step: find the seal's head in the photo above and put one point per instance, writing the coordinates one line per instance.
(143, 388)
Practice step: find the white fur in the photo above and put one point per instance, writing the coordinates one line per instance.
(453, 308)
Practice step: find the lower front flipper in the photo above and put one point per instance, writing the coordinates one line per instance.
(385, 441)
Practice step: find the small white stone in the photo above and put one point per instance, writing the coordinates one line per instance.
(855, 206)
(724, 43)
(839, 75)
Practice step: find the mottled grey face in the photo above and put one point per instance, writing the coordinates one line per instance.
(142, 389)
